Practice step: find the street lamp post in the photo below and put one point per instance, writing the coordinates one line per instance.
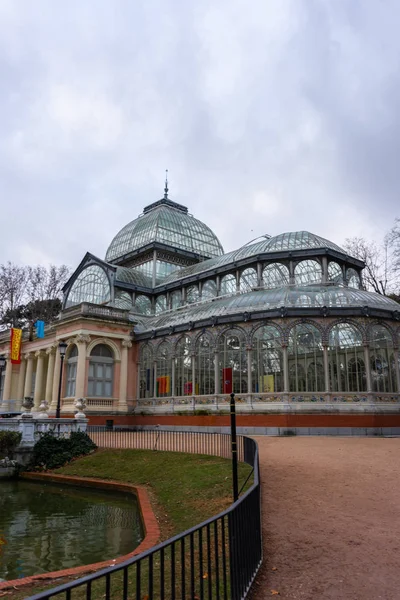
(62, 346)
(3, 362)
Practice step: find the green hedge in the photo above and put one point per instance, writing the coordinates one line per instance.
(51, 452)
(9, 440)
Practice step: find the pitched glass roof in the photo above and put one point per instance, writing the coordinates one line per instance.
(290, 297)
(134, 276)
(168, 223)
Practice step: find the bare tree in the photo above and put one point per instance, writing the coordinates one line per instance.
(46, 284)
(30, 293)
(378, 274)
(393, 239)
(13, 280)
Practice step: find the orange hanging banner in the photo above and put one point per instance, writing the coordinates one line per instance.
(15, 346)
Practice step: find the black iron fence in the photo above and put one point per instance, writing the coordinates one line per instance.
(217, 559)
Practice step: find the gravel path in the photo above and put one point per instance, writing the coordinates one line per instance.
(331, 525)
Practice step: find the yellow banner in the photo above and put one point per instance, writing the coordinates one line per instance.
(16, 341)
(266, 383)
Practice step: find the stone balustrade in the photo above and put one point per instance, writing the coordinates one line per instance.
(32, 428)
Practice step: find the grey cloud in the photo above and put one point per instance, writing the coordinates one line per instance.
(274, 118)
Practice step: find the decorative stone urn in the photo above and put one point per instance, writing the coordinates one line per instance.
(27, 405)
(43, 408)
(80, 405)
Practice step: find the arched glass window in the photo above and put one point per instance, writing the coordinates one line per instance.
(228, 285)
(183, 368)
(275, 275)
(303, 300)
(123, 300)
(205, 373)
(267, 361)
(353, 279)
(192, 294)
(72, 362)
(381, 350)
(208, 290)
(315, 377)
(307, 272)
(161, 304)
(164, 371)
(142, 305)
(297, 377)
(176, 299)
(335, 273)
(91, 285)
(248, 280)
(346, 359)
(101, 372)
(305, 356)
(146, 373)
(233, 361)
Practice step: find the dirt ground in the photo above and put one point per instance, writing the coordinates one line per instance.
(331, 518)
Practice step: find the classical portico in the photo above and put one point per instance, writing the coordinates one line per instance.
(99, 364)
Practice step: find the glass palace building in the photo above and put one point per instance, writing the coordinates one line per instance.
(168, 322)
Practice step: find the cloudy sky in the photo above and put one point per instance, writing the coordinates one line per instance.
(271, 116)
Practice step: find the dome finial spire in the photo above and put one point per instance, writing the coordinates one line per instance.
(166, 185)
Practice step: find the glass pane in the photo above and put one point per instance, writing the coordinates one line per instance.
(308, 271)
(108, 389)
(91, 285)
(99, 388)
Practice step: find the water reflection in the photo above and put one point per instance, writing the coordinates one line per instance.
(49, 527)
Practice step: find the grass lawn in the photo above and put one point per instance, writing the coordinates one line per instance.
(185, 489)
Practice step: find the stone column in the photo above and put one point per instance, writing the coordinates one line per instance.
(155, 379)
(173, 390)
(325, 276)
(7, 384)
(81, 341)
(123, 379)
(259, 275)
(368, 368)
(139, 365)
(216, 372)
(29, 373)
(193, 358)
(326, 369)
(285, 370)
(397, 367)
(21, 382)
(51, 353)
(37, 396)
(249, 372)
(56, 380)
(291, 272)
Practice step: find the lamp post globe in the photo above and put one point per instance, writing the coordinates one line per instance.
(62, 347)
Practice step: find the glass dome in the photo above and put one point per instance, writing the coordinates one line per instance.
(299, 240)
(168, 223)
(294, 240)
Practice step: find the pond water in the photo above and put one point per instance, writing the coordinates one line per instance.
(46, 527)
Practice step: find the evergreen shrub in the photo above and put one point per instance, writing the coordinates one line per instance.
(51, 452)
(9, 440)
